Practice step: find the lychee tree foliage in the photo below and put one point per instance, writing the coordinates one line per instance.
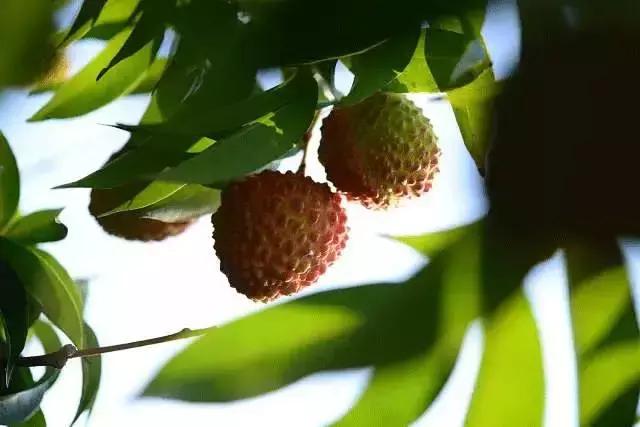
(559, 170)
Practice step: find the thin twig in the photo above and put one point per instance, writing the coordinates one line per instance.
(58, 359)
(305, 139)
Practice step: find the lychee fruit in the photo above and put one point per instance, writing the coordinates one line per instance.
(277, 233)
(130, 225)
(380, 150)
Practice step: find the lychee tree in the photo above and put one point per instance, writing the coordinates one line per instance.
(555, 143)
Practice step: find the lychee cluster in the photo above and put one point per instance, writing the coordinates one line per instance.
(380, 150)
(277, 233)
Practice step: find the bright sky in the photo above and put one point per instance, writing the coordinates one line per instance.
(144, 290)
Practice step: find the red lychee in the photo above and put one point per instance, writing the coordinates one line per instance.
(277, 233)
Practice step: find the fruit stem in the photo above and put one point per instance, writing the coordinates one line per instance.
(305, 140)
(58, 359)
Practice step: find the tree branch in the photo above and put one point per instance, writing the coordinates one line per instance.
(58, 359)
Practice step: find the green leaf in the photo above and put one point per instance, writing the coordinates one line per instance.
(147, 30)
(18, 406)
(606, 333)
(36, 420)
(191, 201)
(82, 93)
(473, 107)
(9, 183)
(91, 374)
(87, 15)
(378, 66)
(416, 76)
(399, 393)
(430, 244)
(332, 330)
(25, 26)
(47, 336)
(13, 312)
(49, 284)
(510, 384)
(38, 227)
(254, 146)
(454, 59)
(98, 17)
(151, 77)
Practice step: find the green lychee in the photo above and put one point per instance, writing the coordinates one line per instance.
(380, 150)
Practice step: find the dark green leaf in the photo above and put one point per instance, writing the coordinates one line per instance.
(38, 227)
(13, 312)
(91, 373)
(36, 420)
(473, 107)
(49, 284)
(9, 183)
(416, 76)
(25, 26)
(18, 406)
(378, 66)
(606, 333)
(254, 146)
(454, 59)
(148, 29)
(82, 94)
(87, 15)
(113, 13)
(510, 384)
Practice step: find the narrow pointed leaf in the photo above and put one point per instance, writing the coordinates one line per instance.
(88, 13)
(82, 93)
(9, 183)
(416, 76)
(254, 146)
(91, 374)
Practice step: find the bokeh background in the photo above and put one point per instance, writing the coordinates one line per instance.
(141, 290)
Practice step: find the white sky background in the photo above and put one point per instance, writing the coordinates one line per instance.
(143, 290)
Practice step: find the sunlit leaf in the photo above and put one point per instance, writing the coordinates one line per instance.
(82, 93)
(510, 384)
(18, 406)
(24, 31)
(607, 338)
(430, 244)
(91, 374)
(13, 312)
(49, 284)
(151, 77)
(98, 16)
(473, 107)
(38, 227)
(416, 77)
(378, 66)
(399, 393)
(190, 202)
(9, 183)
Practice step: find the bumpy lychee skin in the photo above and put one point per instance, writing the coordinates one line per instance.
(380, 150)
(277, 233)
(128, 225)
